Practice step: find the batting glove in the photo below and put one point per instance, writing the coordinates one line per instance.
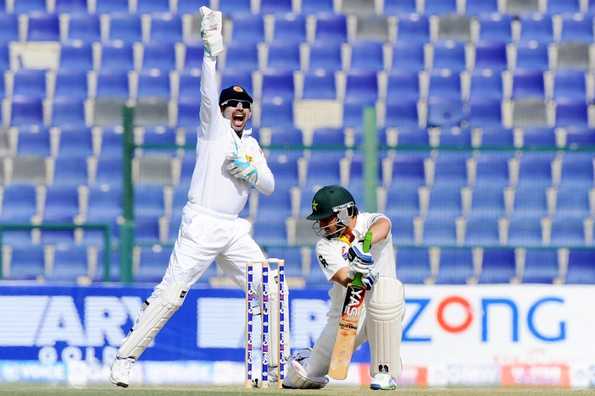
(242, 170)
(210, 30)
(369, 279)
(358, 260)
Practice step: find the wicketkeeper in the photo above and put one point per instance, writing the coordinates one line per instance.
(341, 255)
(229, 164)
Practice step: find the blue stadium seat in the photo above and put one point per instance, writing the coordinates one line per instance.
(401, 114)
(331, 28)
(277, 85)
(563, 6)
(125, 27)
(570, 85)
(413, 265)
(154, 84)
(278, 204)
(524, 231)
(537, 28)
(322, 171)
(405, 83)
(270, 232)
(439, 231)
(116, 56)
(477, 7)
(353, 111)
(485, 112)
(456, 266)
(532, 56)
(289, 28)
(111, 144)
(247, 29)
(319, 85)
(572, 113)
(367, 56)
(580, 265)
(576, 28)
(284, 169)
(490, 55)
(43, 27)
(84, 27)
(497, 137)
(194, 55)
(498, 266)
(4, 63)
(408, 169)
(242, 56)
(18, 203)
(455, 137)
(568, 231)
(66, 111)
(450, 170)
(9, 28)
(573, 202)
(541, 266)
(72, 7)
(275, 7)
(235, 7)
(190, 6)
(445, 84)
(76, 57)
(362, 85)
(231, 77)
(402, 201)
(152, 265)
(292, 257)
(530, 201)
(33, 141)
(188, 113)
(71, 84)
(61, 203)
(179, 200)
(70, 171)
(277, 114)
(495, 28)
(27, 263)
(29, 6)
(539, 137)
(286, 136)
(166, 28)
(325, 56)
(104, 204)
(328, 137)
(446, 112)
(69, 263)
(75, 142)
(283, 56)
(482, 230)
(190, 86)
(159, 135)
(149, 201)
(535, 170)
(580, 137)
(408, 56)
(108, 169)
(30, 83)
(439, 7)
(413, 28)
(160, 55)
(112, 6)
(153, 6)
(449, 55)
(577, 171)
(445, 202)
(317, 7)
(26, 111)
(528, 83)
(316, 277)
(146, 229)
(113, 84)
(402, 230)
(397, 7)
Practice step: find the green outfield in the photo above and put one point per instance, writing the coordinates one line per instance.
(45, 390)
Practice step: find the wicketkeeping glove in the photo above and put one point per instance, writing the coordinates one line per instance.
(358, 260)
(210, 30)
(242, 170)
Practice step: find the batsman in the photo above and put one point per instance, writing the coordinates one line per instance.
(343, 256)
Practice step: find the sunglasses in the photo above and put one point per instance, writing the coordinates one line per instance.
(235, 103)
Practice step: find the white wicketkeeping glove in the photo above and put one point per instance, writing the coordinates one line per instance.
(210, 30)
(241, 169)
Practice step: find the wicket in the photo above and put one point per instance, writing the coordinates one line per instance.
(266, 347)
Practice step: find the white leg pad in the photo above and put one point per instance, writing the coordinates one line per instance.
(297, 376)
(152, 319)
(384, 325)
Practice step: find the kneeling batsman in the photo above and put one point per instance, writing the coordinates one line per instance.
(342, 254)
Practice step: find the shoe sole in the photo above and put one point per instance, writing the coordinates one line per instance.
(378, 387)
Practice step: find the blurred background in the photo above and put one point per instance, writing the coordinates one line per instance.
(477, 142)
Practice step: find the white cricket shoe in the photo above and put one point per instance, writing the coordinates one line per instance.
(383, 381)
(120, 373)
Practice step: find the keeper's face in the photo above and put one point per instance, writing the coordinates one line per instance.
(238, 112)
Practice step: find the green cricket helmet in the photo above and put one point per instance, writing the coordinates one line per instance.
(330, 201)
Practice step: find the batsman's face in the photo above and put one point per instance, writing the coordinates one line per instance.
(329, 227)
(238, 112)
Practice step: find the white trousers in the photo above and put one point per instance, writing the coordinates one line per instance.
(205, 236)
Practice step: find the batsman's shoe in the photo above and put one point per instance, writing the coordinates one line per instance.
(120, 373)
(383, 381)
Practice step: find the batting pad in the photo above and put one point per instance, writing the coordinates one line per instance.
(384, 325)
(151, 320)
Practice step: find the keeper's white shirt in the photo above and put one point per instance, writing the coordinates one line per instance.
(212, 187)
(332, 256)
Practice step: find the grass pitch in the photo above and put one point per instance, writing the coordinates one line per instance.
(48, 390)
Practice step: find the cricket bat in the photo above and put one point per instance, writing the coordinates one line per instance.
(352, 309)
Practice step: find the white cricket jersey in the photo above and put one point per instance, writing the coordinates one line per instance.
(332, 256)
(212, 187)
